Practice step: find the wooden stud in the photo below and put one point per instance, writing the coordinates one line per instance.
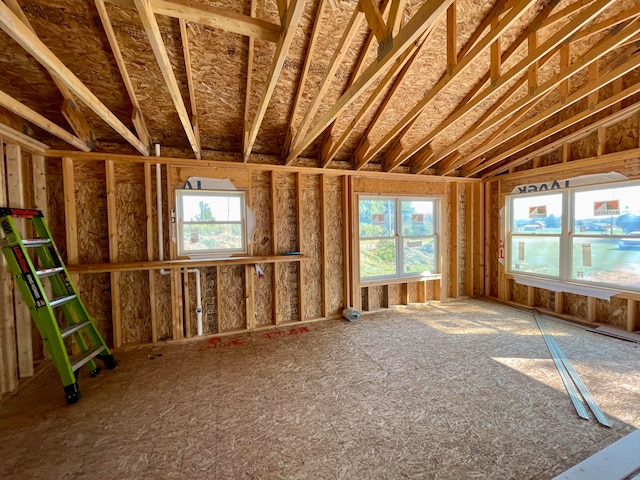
(404, 293)
(112, 225)
(155, 39)
(294, 13)
(602, 140)
(488, 228)
(364, 292)
(12, 25)
(632, 313)
(566, 152)
(249, 277)
(218, 293)
(531, 295)
(148, 195)
(16, 198)
(355, 249)
(177, 317)
(186, 307)
(454, 221)
(469, 236)
(323, 240)
(347, 257)
(559, 302)
(591, 309)
(593, 73)
(300, 229)
(8, 350)
(274, 242)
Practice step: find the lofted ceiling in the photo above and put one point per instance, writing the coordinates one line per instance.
(455, 87)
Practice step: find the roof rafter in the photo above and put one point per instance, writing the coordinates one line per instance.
(212, 16)
(247, 96)
(606, 45)
(602, 81)
(571, 137)
(463, 63)
(136, 116)
(338, 55)
(294, 12)
(551, 44)
(14, 27)
(34, 117)
(184, 35)
(418, 24)
(70, 111)
(150, 24)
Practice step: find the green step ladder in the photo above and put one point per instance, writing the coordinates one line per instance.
(77, 322)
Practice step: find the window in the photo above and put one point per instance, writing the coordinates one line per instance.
(588, 235)
(210, 222)
(397, 237)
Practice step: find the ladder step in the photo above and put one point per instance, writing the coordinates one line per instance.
(61, 301)
(49, 271)
(73, 328)
(87, 356)
(35, 242)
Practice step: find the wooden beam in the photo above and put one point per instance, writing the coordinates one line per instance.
(496, 56)
(576, 96)
(247, 96)
(300, 230)
(150, 24)
(606, 45)
(396, 15)
(346, 242)
(336, 60)
(274, 246)
(564, 66)
(305, 71)
(136, 116)
(495, 12)
(34, 117)
(469, 235)
(374, 18)
(32, 44)
(112, 226)
(513, 15)
(454, 221)
(452, 37)
(294, 13)
(27, 143)
(632, 314)
(532, 74)
(417, 26)
(212, 16)
(323, 246)
(184, 35)
(74, 117)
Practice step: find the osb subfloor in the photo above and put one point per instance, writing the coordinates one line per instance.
(459, 390)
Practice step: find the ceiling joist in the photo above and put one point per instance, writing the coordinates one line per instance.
(17, 30)
(211, 16)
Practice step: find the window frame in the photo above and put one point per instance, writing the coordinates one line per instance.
(181, 224)
(399, 237)
(568, 236)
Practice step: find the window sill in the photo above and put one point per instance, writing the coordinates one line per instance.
(397, 280)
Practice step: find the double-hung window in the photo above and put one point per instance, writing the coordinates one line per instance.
(586, 235)
(211, 222)
(397, 237)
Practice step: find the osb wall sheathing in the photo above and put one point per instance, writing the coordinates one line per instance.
(334, 251)
(311, 245)
(231, 303)
(91, 207)
(613, 311)
(134, 302)
(395, 294)
(544, 298)
(131, 214)
(376, 296)
(163, 305)
(261, 202)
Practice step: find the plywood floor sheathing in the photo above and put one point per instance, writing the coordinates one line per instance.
(443, 391)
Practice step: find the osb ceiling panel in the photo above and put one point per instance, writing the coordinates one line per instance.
(221, 71)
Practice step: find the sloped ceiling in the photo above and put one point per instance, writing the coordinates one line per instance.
(464, 87)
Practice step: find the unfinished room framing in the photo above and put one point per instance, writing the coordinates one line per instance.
(232, 185)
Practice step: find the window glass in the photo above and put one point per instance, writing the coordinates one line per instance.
(377, 218)
(537, 214)
(610, 211)
(607, 260)
(210, 222)
(539, 255)
(397, 237)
